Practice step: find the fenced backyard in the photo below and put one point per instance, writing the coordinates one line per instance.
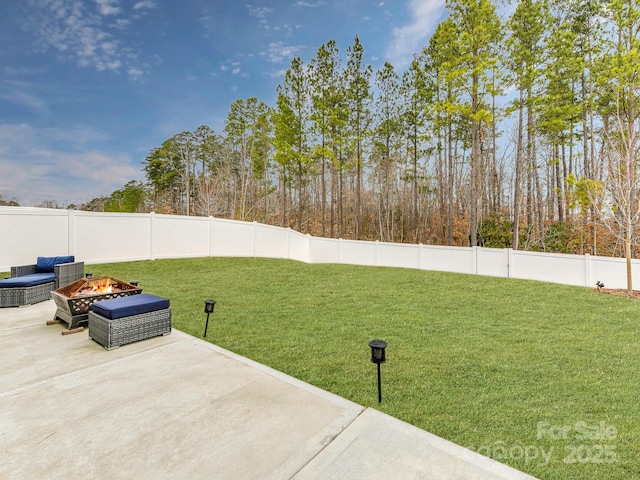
(540, 375)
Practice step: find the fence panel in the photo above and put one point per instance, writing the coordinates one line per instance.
(270, 242)
(447, 259)
(493, 262)
(177, 236)
(356, 252)
(549, 267)
(298, 246)
(612, 272)
(28, 233)
(230, 238)
(398, 255)
(109, 237)
(324, 250)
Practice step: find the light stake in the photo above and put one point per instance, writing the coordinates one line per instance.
(378, 357)
(208, 309)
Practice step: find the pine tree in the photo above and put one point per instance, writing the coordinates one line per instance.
(293, 108)
(326, 116)
(417, 92)
(478, 31)
(525, 49)
(385, 138)
(358, 96)
(440, 58)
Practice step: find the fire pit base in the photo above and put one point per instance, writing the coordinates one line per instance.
(68, 331)
(76, 323)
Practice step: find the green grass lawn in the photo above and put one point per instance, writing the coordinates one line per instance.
(542, 377)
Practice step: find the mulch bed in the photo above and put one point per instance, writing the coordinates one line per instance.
(620, 292)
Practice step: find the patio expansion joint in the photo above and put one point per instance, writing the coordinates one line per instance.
(56, 378)
(18, 327)
(330, 442)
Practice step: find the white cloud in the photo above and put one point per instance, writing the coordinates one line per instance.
(54, 164)
(233, 68)
(409, 39)
(144, 4)
(279, 52)
(19, 93)
(74, 136)
(278, 74)
(82, 32)
(310, 5)
(122, 23)
(135, 73)
(106, 7)
(23, 71)
(259, 12)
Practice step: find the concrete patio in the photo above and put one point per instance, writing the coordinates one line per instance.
(179, 407)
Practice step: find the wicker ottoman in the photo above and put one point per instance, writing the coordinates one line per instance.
(124, 320)
(21, 296)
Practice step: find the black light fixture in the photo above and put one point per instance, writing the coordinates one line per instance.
(208, 309)
(135, 283)
(378, 357)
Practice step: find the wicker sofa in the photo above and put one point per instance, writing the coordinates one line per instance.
(30, 284)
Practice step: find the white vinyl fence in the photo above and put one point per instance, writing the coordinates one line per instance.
(26, 233)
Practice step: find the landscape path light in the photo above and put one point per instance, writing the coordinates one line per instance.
(208, 309)
(378, 357)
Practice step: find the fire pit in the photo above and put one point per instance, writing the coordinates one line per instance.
(74, 300)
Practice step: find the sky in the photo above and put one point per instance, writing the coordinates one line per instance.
(89, 87)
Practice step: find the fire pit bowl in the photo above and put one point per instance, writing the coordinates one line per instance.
(74, 300)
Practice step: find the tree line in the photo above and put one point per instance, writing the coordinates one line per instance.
(521, 132)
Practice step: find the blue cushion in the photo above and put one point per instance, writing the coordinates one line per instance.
(28, 280)
(46, 264)
(131, 305)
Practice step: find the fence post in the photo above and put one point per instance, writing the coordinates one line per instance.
(152, 235)
(474, 256)
(71, 232)
(340, 250)
(587, 269)
(377, 253)
(210, 236)
(509, 261)
(253, 238)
